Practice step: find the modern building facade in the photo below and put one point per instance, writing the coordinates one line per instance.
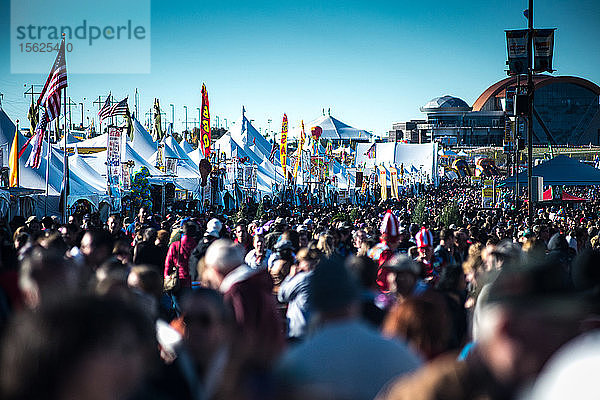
(566, 111)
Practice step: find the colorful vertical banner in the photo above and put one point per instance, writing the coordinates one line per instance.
(205, 123)
(383, 182)
(394, 179)
(543, 48)
(113, 156)
(299, 156)
(283, 147)
(516, 43)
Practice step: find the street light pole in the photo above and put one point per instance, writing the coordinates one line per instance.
(185, 135)
(172, 117)
(81, 105)
(530, 91)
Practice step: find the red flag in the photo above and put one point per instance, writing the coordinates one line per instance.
(205, 125)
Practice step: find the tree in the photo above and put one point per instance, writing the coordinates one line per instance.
(419, 214)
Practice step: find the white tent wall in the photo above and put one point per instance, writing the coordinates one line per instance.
(422, 156)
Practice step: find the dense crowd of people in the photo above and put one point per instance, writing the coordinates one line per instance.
(425, 297)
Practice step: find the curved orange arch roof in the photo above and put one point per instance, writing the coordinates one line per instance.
(498, 89)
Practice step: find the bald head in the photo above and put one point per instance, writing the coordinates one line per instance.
(224, 256)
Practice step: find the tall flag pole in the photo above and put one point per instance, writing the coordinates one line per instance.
(205, 123)
(13, 159)
(50, 97)
(283, 147)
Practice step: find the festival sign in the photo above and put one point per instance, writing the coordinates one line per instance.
(283, 147)
(113, 156)
(488, 194)
(205, 124)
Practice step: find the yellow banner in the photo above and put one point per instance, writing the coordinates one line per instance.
(299, 156)
(383, 182)
(283, 147)
(394, 179)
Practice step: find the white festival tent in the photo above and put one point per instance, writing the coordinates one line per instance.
(423, 157)
(333, 129)
(81, 185)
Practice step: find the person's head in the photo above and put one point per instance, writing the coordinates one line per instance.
(162, 238)
(447, 236)
(33, 224)
(206, 324)
(307, 259)
(424, 240)
(146, 279)
(240, 232)
(96, 247)
(143, 214)
(222, 257)
(358, 238)
(75, 348)
(213, 228)
(46, 275)
(364, 270)
(530, 312)
(332, 291)
(259, 243)
(114, 223)
(421, 322)
(389, 229)
(403, 275)
(149, 235)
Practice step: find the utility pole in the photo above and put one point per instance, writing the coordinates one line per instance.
(530, 91)
(100, 103)
(70, 103)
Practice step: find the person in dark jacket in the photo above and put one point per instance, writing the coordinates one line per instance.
(249, 292)
(212, 233)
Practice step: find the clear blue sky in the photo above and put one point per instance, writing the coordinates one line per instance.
(372, 62)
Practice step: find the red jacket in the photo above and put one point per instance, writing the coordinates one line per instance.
(178, 256)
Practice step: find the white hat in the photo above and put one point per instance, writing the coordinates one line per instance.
(213, 228)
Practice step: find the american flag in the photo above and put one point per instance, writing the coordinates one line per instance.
(105, 110)
(35, 157)
(121, 108)
(274, 149)
(50, 98)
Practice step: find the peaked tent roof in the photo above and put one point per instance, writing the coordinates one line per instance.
(7, 130)
(335, 129)
(186, 146)
(142, 142)
(561, 170)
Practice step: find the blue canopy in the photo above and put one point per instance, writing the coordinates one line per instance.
(561, 170)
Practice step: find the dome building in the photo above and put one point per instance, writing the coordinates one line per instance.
(566, 111)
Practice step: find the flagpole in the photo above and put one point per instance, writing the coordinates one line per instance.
(65, 159)
(17, 150)
(47, 169)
